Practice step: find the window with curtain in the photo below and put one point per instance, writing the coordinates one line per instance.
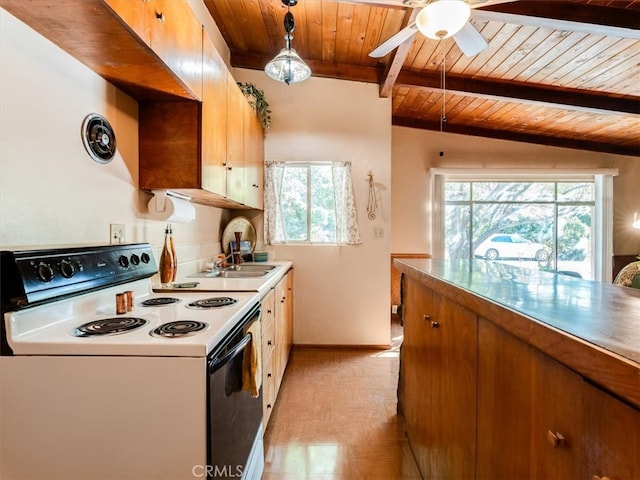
(310, 203)
(556, 220)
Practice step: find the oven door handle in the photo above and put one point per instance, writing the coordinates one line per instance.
(216, 363)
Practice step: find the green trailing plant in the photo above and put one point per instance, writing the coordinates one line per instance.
(257, 102)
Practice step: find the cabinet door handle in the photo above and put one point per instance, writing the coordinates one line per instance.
(555, 439)
(426, 317)
(160, 16)
(435, 324)
(269, 311)
(269, 343)
(268, 375)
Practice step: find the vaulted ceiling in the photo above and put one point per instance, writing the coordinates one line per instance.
(562, 73)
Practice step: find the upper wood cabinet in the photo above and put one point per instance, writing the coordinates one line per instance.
(214, 120)
(157, 52)
(114, 39)
(176, 37)
(253, 160)
(136, 14)
(170, 29)
(237, 104)
(199, 149)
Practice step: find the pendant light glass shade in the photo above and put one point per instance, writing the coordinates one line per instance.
(287, 67)
(636, 220)
(443, 18)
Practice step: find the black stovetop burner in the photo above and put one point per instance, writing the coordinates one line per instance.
(213, 302)
(177, 329)
(109, 326)
(159, 301)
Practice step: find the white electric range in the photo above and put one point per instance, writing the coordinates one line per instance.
(152, 388)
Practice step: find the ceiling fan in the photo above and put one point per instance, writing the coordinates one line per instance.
(437, 20)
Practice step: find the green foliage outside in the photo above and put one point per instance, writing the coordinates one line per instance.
(477, 210)
(313, 184)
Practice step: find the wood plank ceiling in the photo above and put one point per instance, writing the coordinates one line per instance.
(562, 73)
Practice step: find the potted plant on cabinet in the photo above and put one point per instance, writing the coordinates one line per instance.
(258, 102)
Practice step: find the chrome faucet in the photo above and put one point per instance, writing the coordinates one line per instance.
(217, 265)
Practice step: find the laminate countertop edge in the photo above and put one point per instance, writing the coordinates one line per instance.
(597, 333)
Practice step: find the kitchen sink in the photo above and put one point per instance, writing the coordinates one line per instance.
(249, 267)
(244, 270)
(243, 273)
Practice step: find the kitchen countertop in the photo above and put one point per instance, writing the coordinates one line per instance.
(592, 327)
(262, 285)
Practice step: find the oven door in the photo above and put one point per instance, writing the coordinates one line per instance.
(234, 415)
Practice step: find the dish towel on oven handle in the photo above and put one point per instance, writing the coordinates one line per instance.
(252, 363)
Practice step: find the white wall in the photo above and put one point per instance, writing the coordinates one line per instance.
(51, 192)
(341, 293)
(415, 151)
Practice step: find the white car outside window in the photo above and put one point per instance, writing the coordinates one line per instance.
(511, 245)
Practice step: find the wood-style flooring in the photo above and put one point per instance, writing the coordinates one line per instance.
(335, 418)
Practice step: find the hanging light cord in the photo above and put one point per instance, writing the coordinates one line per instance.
(443, 111)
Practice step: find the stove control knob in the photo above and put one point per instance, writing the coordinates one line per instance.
(45, 272)
(123, 261)
(145, 258)
(135, 259)
(67, 269)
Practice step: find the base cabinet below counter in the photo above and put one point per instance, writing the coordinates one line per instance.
(528, 410)
(439, 383)
(479, 402)
(277, 339)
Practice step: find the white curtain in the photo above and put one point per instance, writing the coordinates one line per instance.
(347, 232)
(273, 221)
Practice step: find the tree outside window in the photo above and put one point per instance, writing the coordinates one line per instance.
(546, 225)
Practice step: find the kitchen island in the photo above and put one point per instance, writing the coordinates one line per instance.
(515, 373)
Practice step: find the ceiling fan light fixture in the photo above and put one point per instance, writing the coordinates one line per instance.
(443, 18)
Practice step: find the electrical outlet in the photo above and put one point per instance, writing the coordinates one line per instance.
(378, 232)
(118, 233)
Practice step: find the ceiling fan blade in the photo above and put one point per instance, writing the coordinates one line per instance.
(394, 41)
(470, 41)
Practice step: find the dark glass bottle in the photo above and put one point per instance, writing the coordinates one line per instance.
(173, 254)
(166, 260)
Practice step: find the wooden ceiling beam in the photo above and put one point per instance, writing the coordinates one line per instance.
(521, 92)
(554, 141)
(397, 57)
(575, 17)
(494, 89)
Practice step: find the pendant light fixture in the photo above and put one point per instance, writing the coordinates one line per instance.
(287, 66)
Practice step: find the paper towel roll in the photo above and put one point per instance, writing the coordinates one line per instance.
(169, 208)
